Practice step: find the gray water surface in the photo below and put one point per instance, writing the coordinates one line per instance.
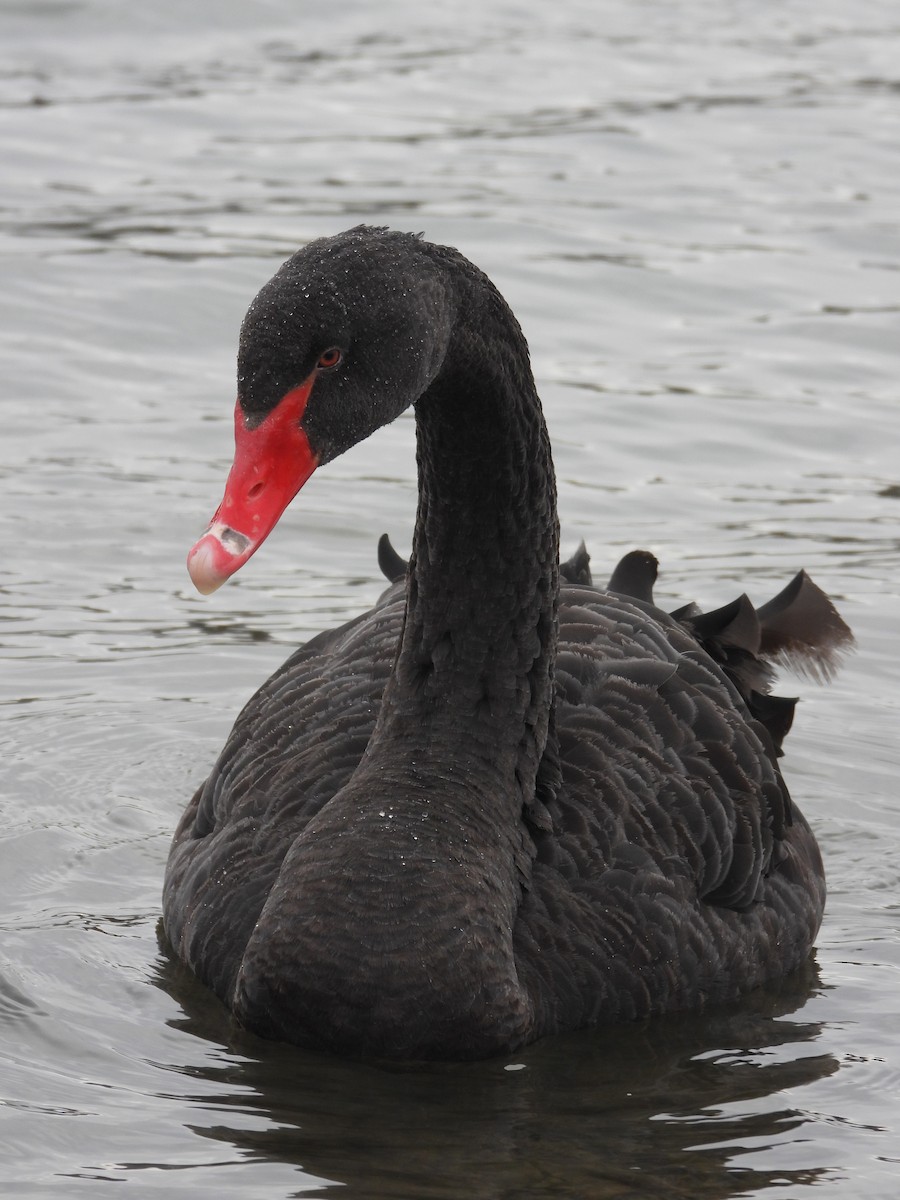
(694, 210)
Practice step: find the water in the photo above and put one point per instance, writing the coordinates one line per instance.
(693, 209)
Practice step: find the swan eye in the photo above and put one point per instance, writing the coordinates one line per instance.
(329, 358)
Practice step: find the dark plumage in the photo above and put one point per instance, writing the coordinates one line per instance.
(496, 805)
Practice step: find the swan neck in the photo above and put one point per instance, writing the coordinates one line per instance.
(480, 631)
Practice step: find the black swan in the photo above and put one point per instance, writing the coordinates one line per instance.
(497, 805)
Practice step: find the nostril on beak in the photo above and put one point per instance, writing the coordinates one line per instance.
(256, 489)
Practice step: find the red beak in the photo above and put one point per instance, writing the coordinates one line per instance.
(271, 464)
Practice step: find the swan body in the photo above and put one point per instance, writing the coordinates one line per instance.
(501, 803)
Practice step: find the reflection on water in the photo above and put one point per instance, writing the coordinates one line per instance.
(658, 1109)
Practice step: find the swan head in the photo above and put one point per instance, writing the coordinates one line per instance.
(347, 334)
